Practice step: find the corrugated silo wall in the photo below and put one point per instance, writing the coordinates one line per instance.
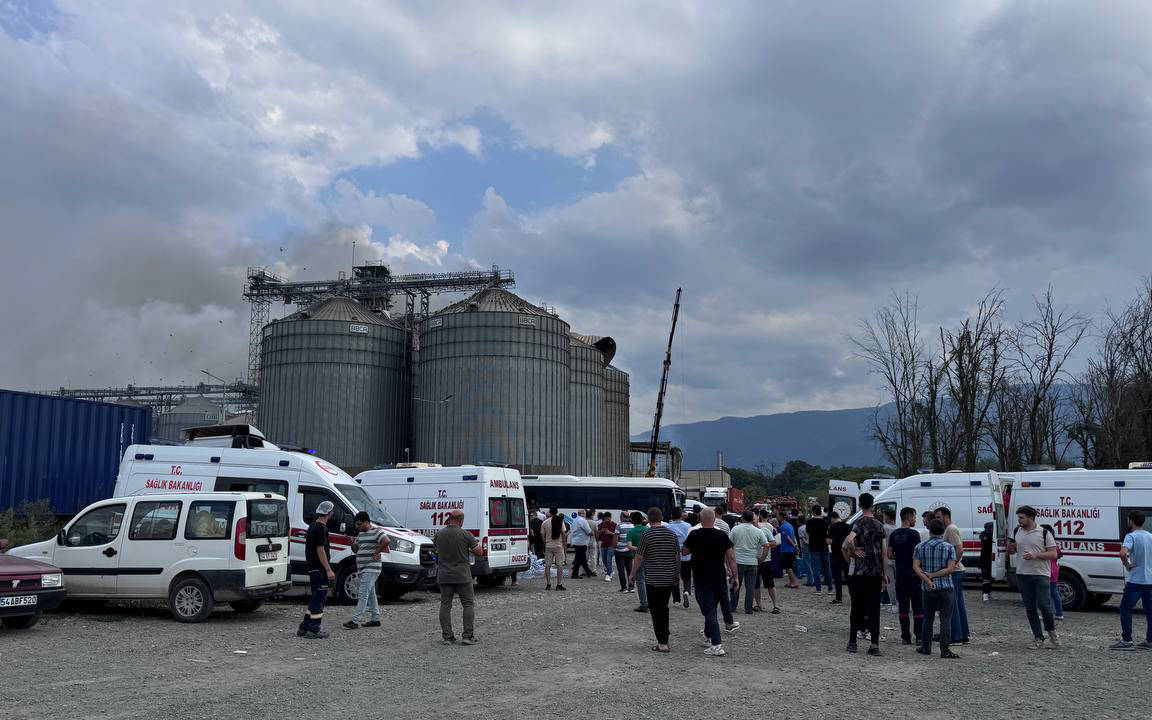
(508, 374)
(335, 387)
(616, 435)
(587, 449)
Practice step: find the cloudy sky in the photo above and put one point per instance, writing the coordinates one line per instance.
(787, 163)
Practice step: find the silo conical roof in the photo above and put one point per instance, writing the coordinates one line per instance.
(606, 345)
(495, 300)
(340, 309)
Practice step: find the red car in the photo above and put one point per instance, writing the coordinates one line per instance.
(27, 588)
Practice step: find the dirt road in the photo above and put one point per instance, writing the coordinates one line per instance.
(555, 655)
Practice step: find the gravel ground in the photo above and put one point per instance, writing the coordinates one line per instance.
(555, 655)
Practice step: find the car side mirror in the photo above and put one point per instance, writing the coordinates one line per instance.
(61, 538)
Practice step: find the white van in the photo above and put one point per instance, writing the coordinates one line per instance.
(238, 458)
(1088, 510)
(973, 498)
(193, 551)
(492, 499)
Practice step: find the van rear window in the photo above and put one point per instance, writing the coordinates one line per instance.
(210, 520)
(506, 513)
(267, 518)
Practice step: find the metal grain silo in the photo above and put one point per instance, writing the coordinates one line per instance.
(504, 364)
(195, 410)
(586, 425)
(587, 447)
(616, 435)
(333, 379)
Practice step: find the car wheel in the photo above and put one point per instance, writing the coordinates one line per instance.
(1073, 594)
(491, 581)
(347, 587)
(20, 622)
(190, 600)
(246, 606)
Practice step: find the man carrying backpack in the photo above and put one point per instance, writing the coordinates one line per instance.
(1035, 548)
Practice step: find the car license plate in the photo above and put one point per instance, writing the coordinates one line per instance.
(18, 601)
(267, 556)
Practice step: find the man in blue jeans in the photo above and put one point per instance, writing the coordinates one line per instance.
(371, 543)
(954, 537)
(819, 559)
(712, 554)
(1136, 554)
(317, 552)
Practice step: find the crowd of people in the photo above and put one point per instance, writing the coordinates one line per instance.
(717, 557)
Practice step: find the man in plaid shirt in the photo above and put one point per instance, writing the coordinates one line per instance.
(934, 561)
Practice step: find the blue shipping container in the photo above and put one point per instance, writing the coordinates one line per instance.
(64, 450)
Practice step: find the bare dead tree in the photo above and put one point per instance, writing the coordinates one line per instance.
(974, 361)
(1041, 348)
(1005, 426)
(1133, 329)
(890, 343)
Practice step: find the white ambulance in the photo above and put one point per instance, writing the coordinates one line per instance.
(1088, 511)
(192, 550)
(492, 499)
(842, 497)
(973, 498)
(239, 458)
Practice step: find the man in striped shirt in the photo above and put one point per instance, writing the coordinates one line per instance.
(659, 557)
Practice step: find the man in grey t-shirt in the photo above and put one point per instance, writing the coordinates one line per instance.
(1034, 549)
(454, 548)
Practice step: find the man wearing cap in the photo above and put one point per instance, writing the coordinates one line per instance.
(454, 548)
(320, 575)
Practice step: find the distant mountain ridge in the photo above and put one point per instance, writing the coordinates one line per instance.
(820, 437)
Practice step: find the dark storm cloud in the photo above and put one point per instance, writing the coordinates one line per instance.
(795, 162)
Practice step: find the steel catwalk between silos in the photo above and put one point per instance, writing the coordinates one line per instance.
(587, 451)
(506, 364)
(333, 379)
(195, 410)
(616, 435)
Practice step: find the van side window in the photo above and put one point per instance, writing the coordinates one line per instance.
(312, 498)
(210, 520)
(97, 527)
(155, 520)
(235, 484)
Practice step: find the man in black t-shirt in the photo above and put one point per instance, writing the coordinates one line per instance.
(819, 561)
(866, 547)
(836, 534)
(901, 547)
(712, 554)
(317, 552)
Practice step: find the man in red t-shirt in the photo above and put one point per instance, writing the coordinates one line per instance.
(606, 534)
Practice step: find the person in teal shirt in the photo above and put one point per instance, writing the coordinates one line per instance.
(640, 521)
